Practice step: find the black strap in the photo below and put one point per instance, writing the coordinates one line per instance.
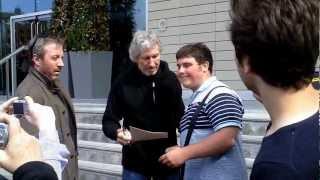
(192, 125)
(195, 116)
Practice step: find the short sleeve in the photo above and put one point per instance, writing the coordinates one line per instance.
(224, 110)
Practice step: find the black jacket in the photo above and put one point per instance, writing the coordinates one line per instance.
(148, 102)
(34, 170)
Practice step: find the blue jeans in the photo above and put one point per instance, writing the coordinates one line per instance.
(132, 175)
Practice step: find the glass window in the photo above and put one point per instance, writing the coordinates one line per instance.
(140, 15)
(121, 36)
(25, 6)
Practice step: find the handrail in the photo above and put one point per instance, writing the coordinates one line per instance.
(23, 47)
(5, 59)
(14, 53)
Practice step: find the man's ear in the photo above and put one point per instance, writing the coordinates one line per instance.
(205, 66)
(36, 60)
(246, 65)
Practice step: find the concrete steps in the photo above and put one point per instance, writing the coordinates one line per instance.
(255, 122)
(107, 153)
(250, 144)
(101, 157)
(92, 132)
(99, 171)
(104, 160)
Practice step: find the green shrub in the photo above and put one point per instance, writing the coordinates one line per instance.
(84, 24)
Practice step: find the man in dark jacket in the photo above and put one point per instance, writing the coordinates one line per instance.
(147, 96)
(42, 84)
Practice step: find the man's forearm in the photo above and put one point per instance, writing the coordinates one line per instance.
(215, 144)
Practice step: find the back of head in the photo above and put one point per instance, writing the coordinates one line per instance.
(199, 51)
(142, 40)
(280, 37)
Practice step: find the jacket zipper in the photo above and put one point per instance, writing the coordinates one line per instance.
(153, 92)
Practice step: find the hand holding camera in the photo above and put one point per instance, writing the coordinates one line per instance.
(16, 106)
(6, 106)
(40, 116)
(4, 134)
(25, 109)
(21, 147)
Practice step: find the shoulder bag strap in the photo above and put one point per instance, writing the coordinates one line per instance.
(195, 116)
(191, 127)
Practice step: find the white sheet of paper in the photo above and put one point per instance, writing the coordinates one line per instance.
(138, 134)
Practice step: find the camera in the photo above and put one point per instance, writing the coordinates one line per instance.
(19, 107)
(19, 110)
(4, 135)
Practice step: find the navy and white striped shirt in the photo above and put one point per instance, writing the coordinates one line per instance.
(222, 108)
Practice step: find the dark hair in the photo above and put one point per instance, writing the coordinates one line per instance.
(199, 51)
(280, 37)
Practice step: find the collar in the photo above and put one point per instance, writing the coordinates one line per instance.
(51, 85)
(163, 67)
(204, 86)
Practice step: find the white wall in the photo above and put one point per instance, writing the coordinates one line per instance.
(179, 22)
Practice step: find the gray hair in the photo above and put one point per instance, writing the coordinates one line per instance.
(142, 40)
(38, 48)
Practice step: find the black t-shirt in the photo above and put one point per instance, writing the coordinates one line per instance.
(291, 153)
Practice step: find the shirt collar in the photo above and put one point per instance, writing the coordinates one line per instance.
(204, 86)
(52, 86)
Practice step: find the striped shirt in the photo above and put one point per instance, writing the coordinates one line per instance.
(222, 108)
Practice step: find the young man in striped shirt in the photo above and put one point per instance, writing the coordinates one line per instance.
(214, 151)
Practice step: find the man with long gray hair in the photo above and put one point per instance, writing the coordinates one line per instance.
(147, 96)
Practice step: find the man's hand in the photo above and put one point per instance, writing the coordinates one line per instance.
(40, 116)
(6, 106)
(174, 157)
(21, 148)
(123, 136)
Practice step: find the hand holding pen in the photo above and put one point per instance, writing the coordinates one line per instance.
(123, 136)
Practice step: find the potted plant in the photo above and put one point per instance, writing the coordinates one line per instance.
(84, 25)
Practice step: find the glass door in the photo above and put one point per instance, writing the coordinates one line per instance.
(23, 28)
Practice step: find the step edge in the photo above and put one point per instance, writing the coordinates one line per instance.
(111, 169)
(251, 139)
(89, 126)
(100, 146)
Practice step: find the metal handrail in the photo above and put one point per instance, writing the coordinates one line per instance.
(23, 47)
(17, 51)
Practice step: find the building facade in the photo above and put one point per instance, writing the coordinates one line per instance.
(177, 22)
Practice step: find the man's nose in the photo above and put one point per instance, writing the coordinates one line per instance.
(152, 62)
(60, 62)
(180, 69)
